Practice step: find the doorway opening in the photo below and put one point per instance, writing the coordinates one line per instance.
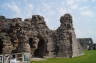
(1, 46)
(31, 42)
(40, 51)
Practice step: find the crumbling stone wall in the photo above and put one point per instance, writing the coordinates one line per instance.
(32, 35)
(66, 44)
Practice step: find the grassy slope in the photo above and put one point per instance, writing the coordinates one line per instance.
(89, 57)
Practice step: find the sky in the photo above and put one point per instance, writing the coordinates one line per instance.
(82, 11)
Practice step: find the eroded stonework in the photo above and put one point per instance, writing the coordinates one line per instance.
(32, 35)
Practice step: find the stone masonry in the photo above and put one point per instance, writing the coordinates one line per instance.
(32, 35)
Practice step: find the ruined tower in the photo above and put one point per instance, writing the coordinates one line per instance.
(64, 37)
(66, 44)
(33, 35)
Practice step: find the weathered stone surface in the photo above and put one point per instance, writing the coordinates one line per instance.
(32, 35)
(66, 43)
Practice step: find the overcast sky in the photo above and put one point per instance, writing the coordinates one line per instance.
(83, 12)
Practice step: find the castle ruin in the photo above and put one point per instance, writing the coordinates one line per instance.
(33, 36)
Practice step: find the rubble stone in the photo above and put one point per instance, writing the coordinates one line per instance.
(32, 35)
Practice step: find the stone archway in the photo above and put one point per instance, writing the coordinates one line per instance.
(41, 49)
(1, 46)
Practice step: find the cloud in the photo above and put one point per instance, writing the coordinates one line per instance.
(83, 8)
(87, 13)
(46, 7)
(29, 10)
(77, 4)
(62, 11)
(93, 0)
(30, 6)
(13, 7)
(72, 4)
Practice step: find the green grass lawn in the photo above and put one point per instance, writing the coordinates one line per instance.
(89, 57)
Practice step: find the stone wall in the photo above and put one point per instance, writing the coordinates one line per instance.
(32, 35)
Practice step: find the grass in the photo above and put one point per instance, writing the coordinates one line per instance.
(89, 57)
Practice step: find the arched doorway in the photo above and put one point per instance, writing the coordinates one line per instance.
(41, 50)
(1, 46)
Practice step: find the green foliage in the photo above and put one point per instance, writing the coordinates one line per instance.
(89, 57)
